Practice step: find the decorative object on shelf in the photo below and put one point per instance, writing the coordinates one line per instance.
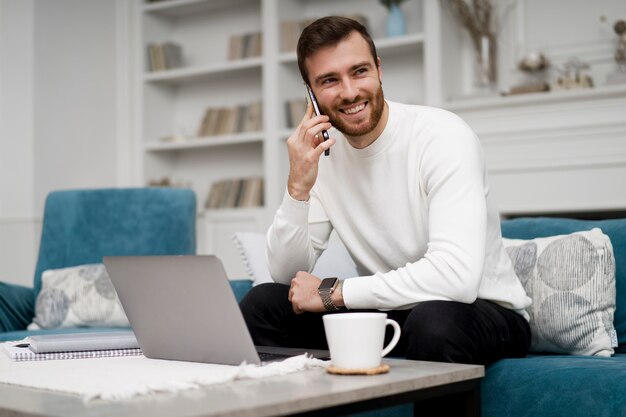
(247, 45)
(235, 192)
(478, 18)
(619, 75)
(164, 56)
(294, 111)
(572, 76)
(533, 64)
(168, 182)
(175, 138)
(395, 19)
(228, 120)
(290, 30)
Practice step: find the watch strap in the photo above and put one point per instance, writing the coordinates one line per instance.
(326, 296)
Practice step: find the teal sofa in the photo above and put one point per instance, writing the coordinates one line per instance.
(550, 385)
(538, 385)
(563, 385)
(81, 226)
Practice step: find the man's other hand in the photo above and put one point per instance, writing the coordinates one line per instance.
(303, 294)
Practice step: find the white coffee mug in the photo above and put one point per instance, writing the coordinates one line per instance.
(355, 340)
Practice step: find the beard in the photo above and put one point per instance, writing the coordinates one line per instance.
(376, 104)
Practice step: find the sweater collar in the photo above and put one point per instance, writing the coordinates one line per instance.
(383, 141)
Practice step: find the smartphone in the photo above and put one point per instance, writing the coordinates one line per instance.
(316, 108)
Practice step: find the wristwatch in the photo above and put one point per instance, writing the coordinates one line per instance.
(326, 288)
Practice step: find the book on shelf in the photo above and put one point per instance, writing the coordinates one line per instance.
(246, 45)
(73, 346)
(294, 111)
(229, 120)
(163, 56)
(236, 192)
(290, 30)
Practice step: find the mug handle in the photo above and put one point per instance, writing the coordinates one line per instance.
(394, 339)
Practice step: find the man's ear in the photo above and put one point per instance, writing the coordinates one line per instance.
(380, 70)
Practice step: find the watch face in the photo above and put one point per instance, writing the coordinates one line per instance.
(327, 283)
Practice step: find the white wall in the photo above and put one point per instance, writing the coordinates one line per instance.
(18, 226)
(58, 114)
(74, 105)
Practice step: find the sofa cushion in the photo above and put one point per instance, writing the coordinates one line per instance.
(555, 386)
(532, 227)
(571, 280)
(17, 307)
(80, 296)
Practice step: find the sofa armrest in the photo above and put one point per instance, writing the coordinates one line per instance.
(17, 307)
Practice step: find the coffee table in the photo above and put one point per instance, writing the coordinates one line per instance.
(309, 393)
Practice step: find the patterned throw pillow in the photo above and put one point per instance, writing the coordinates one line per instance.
(571, 280)
(80, 296)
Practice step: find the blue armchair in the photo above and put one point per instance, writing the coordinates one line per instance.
(82, 226)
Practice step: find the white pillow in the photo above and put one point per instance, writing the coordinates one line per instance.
(80, 296)
(335, 261)
(571, 280)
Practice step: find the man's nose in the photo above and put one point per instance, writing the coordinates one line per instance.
(349, 90)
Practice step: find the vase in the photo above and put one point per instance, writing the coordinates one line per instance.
(395, 21)
(486, 63)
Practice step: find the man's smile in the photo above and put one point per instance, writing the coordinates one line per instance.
(353, 109)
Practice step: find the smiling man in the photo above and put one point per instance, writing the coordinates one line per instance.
(405, 189)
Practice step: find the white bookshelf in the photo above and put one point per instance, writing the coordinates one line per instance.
(179, 76)
(171, 103)
(206, 142)
(431, 64)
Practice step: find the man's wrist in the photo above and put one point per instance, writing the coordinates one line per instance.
(297, 193)
(298, 196)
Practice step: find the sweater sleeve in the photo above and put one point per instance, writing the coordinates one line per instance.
(452, 176)
(297, 237)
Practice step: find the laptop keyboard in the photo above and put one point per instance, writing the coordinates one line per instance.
(266, 357)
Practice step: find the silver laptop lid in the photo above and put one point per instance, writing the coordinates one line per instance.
(182, 308)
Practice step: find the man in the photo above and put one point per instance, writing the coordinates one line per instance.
(405, 188)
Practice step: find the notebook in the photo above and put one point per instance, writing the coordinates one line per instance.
(183, 308)
(20, 351)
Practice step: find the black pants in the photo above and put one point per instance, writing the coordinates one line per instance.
(444, 331)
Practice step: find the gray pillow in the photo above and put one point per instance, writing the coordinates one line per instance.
(80, 296)
(571, 280)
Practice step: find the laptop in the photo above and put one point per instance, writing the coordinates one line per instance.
(183, 308)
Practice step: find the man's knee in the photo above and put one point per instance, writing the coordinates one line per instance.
(263, 297)
(434, 331)
(264, 292)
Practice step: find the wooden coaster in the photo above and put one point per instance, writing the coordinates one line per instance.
(382, 369)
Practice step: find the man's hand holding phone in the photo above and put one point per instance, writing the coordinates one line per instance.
(306, 145)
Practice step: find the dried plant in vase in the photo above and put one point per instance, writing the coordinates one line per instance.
(478, 18)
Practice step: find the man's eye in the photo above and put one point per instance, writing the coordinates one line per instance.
(361, 71)
(328, 81)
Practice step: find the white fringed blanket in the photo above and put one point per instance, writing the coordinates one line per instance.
(121, 378)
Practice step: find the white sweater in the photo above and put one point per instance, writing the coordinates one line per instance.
(413, 210)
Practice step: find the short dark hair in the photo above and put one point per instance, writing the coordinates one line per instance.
(328, 31)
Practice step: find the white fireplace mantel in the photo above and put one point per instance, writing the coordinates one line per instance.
(561, 151)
